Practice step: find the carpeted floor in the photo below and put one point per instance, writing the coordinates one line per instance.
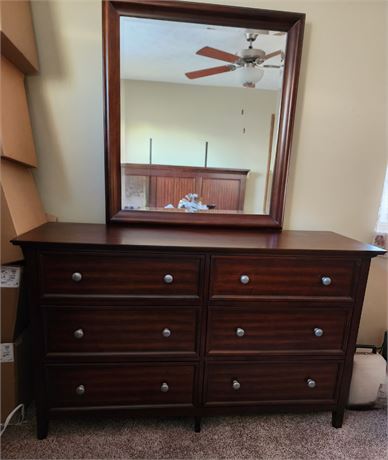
(288, 437)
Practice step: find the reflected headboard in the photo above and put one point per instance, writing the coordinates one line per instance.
(156, 186)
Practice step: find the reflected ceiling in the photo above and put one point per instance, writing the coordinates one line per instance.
(164, 51)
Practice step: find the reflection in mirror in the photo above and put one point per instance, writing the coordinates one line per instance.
(199, 116)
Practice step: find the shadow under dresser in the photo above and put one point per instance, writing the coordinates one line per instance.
(192, 322)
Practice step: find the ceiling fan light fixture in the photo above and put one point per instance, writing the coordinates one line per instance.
(250, 75)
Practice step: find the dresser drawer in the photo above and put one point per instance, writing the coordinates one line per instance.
(249, 383)
(299, 277)
(266, 329)
(136, 331)
(120, 385)
(116, 275)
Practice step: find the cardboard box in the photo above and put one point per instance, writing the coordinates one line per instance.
(22, 204)
(16, 373)
(14, 313)
(17, 35)
(9, 252)
(17, 142)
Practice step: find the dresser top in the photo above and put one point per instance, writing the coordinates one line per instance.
(97, 235)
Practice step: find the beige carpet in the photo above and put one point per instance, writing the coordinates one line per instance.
(288, 437)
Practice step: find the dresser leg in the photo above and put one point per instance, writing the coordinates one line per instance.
(42, 424)
(337, 418)
(197, 424)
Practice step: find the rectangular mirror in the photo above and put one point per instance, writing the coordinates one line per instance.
(210, 132)
(204, 114)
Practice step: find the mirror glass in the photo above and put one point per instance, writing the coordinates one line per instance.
(199, 116)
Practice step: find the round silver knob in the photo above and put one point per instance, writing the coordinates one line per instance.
(236, 385)
(164, 387)
(311, 383)
(240, 332)
(244, 279)
(80, 390)
(168, 279)
(318, 332)
(78, 334)
(166, 332)
(76, 276)
(326, 280)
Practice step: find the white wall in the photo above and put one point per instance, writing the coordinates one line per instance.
(339, 148)
(181, 118)
(67, 109)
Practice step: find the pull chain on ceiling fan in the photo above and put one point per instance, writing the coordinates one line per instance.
(251, 62)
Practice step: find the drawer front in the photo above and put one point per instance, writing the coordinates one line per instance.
(112, 330)
(260, 277)
(267, 329)
(120, 275)
(247, 383)
(115, 385)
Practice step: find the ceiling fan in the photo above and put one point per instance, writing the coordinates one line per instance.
(250, 61)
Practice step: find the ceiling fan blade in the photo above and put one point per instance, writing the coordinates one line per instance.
(209, 71)
(273, 66)
(278, 34)
(273, 54)
(214, 53)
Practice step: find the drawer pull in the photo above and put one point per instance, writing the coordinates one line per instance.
(164, 387)
(166, 332)
(240, 332)
(326, 280)
(318, 332)
(311, 383)
(80, 390)
(236, 385)
(76, 276)
(78, 334)
(168, 279)
(244, 279)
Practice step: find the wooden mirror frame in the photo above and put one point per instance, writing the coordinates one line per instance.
(292, 23)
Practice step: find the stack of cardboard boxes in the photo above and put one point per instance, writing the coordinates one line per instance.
(21, 207)
(16, 359)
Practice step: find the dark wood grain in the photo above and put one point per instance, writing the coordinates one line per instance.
(286, 119)
(282, 276)
(170, 190)
(338, 414)
(222, 187)
(102, 236)
(31, 278)
(112, 111)
(122, 306)
(122, 331)
(292, 23)
(107, 385)
(270, 382)
(207, 13)
(223, 193)
(270, 330)
(120, 275)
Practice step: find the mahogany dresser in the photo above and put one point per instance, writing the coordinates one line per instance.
(192, 322)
